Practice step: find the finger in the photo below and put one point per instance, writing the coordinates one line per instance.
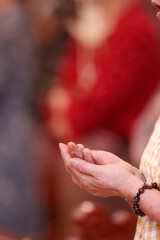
(75, 180)
(79, 151)
(65, 154)
(81, 180)
(72, 148)
(64, 151)
(79, 165)
(87, 155)
(68, 161)
(76, 176)
(97, 158)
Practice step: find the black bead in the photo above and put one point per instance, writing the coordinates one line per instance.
(155, 185)
(136, 198)
(137, 212)
(145, 187)
(142, 214)
(138, 194)
(135, 206)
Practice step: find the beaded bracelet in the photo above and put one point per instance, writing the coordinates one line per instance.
(141, 191)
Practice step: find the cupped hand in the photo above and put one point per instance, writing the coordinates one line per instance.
(103, 180)
(98, 157)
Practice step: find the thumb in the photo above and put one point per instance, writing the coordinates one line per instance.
(84, 166)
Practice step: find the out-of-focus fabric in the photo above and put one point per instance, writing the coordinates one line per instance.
(148, 229)
(18, 204)
(127, 72)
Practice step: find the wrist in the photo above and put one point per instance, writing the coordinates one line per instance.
(138, 174)
(148, 186)
(131, 187)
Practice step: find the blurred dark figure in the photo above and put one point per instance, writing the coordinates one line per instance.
(51, 35)
(19, 207)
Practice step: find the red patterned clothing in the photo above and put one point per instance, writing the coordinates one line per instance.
(127, 72)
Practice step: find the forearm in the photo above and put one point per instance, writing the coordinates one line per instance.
(149, 201)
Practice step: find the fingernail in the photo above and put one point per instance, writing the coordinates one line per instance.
(74, 162)
(61, 145)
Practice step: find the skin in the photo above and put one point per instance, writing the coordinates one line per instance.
(103, 174)
(93, 168)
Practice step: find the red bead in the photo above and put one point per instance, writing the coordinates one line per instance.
(141, 190)
(148, 186)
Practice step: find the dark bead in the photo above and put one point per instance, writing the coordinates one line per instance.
(136, 198)
(142, 214)
(155, 185)
(138, 194)
(137, 212)
(144, 186)
(135, 206)
(135, 202)
(135, 209)
(141, 190)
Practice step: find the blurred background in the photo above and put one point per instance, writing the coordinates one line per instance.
(72, 70)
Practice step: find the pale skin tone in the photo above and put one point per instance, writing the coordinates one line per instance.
(104, 174)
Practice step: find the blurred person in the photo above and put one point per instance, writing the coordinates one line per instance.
(20, 210)
(98, 85)
(100, 79)
(104, 174)
(47, 24)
